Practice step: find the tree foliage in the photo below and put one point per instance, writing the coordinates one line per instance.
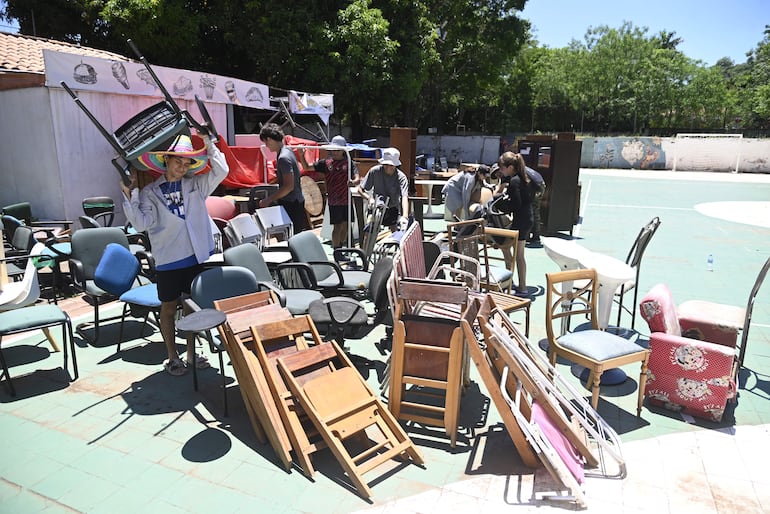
(429, 63)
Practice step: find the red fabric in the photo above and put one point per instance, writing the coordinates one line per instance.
(685, 374)
(688, 375)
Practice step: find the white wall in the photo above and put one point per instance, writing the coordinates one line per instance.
(54, 156)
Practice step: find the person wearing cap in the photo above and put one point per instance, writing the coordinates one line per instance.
(172, 210)
(289, 193)
(387, 181)
(339, 179)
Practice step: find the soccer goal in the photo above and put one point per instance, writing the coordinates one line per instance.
(707, 152)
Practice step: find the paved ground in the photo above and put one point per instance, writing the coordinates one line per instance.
(126, 437)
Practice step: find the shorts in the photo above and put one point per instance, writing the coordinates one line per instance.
(296, 212)
(390, 217)
(172, 283)
(341, 213)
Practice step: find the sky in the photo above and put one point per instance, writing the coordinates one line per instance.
(710, 29)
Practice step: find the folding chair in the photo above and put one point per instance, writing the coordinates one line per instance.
(341, 406)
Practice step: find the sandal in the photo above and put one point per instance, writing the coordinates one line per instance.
(175, 367)
(201, 361)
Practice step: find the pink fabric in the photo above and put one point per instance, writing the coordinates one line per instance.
(659, 310)
(221, 208)
(566, 451)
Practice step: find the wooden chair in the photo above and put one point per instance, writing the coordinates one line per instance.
(342, 406)
(594, 349)
(236, 336)
(535, 401)
(427, 360)
(282, 338)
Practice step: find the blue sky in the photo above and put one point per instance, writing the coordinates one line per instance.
(710, 29)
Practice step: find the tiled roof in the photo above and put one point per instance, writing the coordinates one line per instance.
(22, 53)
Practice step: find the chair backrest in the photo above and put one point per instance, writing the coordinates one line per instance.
(248, 256)
(21, 211)
(243, 228)
(89, 245)
(25, 292)
(89, 222)
(306, 247)
(222, 282)
(378, 294)
(220, 207)
(411, 256)
(659, 310)
(10, 224)
(468, 238)
(563, 300)
(635, 254)
(100, 208)
(23, 239)
(117, 269)
(750, 309)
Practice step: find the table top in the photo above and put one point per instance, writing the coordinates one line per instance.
(607, 267)
(430, 182)
(204, 319)
(565, 253)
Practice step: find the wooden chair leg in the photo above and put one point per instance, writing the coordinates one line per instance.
(51, 339)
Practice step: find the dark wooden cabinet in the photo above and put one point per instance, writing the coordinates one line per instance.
(558, 161)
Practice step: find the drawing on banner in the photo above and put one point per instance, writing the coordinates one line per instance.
(230, 90)
(254, 95)
(119, 72)
(84, 73)
(182, 86)
(208, 84)
(145, 76)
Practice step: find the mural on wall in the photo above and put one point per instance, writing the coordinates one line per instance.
(645, 153)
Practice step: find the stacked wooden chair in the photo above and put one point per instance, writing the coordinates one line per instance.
(303, 395)
(548, 420)
(428, 356)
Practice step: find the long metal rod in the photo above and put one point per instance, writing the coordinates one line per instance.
(109, 137)
(162, 88)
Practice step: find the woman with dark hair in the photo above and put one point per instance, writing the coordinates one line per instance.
(521, 191)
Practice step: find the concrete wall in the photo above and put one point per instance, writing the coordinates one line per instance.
(707, 154)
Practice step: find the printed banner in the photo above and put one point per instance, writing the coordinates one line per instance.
(321, 105)
(133, 78)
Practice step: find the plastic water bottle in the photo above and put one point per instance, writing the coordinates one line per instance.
(710, 263)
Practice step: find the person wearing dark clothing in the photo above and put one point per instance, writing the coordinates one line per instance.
(289, 193)
(520, 190)
(533, 239)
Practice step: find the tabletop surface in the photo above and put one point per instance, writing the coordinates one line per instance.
(203, 319)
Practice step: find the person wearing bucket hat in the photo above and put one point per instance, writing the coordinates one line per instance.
(341, 174)
(289, 192)
(388, 182)
(172, 210)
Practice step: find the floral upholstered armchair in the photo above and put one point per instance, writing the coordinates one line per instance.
(686, 374)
